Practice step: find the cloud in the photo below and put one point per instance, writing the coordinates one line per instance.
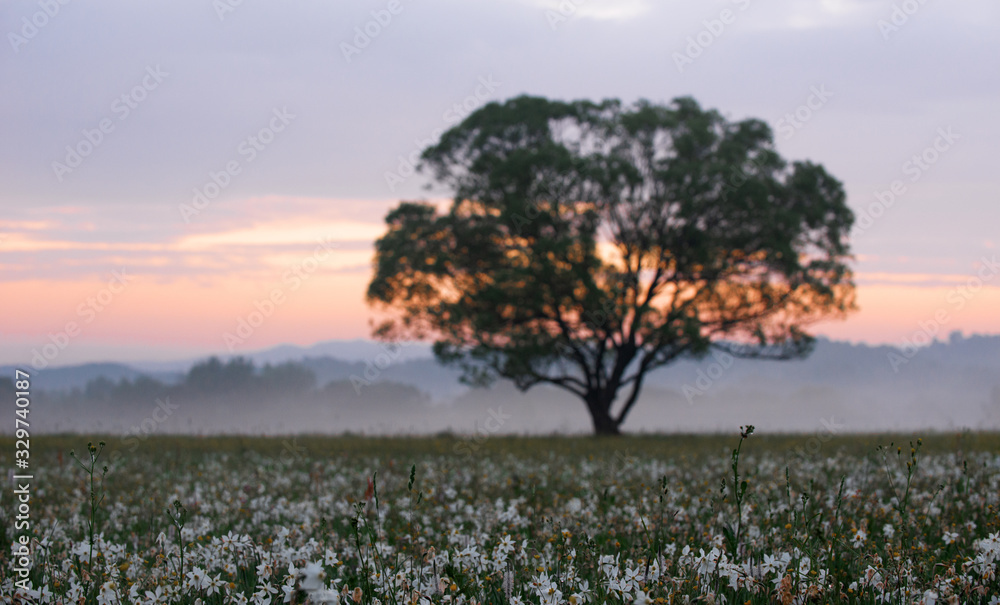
(926, 280)
(250, 238)
(598, 10)
(288, 233)
(809, 14)
(25, 243)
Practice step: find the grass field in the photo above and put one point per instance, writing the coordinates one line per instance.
(503, 520)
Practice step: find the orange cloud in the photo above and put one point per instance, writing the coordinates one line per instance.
(305, 230)
(890, 312)
(188, 312)
(195, 284)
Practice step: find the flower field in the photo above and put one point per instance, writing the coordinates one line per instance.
(740, 518)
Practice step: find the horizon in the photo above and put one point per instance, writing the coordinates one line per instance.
(302, 352)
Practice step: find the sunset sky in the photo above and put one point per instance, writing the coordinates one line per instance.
(169, 168)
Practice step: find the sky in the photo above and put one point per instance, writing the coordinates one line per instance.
(172, 172)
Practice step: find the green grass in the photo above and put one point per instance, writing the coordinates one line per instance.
(669, 445)
(662, 502)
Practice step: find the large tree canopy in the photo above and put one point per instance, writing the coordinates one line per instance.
(589, 243)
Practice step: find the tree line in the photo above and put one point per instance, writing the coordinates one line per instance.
(212, 378)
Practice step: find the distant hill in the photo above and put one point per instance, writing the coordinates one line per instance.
(70, 377)
(346, 350)
(944, 386)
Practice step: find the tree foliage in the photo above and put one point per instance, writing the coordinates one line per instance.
(589, 243)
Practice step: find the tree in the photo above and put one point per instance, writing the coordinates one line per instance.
(213, 377)
(590, 243)
(287, 378)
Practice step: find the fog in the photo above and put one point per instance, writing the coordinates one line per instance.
(840, 388)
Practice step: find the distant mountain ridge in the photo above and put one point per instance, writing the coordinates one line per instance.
(413, 363)
(944, 386)
(77, 376)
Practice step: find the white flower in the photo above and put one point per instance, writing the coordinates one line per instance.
(263, 596)
(212, 585)
(541, 582)
(506, 545)
(707, 562)
(41, 595)
(582, 594)
(949, 537)
(775, 564)
(859, 539)
(283, 534)
(260, 598)
(325, 596)
(609, 565)
(75, 592)
(197, 577)
(313, 577)
(108, 594)
(265, 569)
(631, 579)
(330, 558)
(872, 578)
(551, 595)
(156, 597)
(888, 531)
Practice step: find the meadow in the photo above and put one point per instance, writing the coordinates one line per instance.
(736, 518)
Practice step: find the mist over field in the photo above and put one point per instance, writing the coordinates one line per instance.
(338, 387)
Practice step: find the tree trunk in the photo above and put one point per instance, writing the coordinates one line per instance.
(604, 425)
(600, 414)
